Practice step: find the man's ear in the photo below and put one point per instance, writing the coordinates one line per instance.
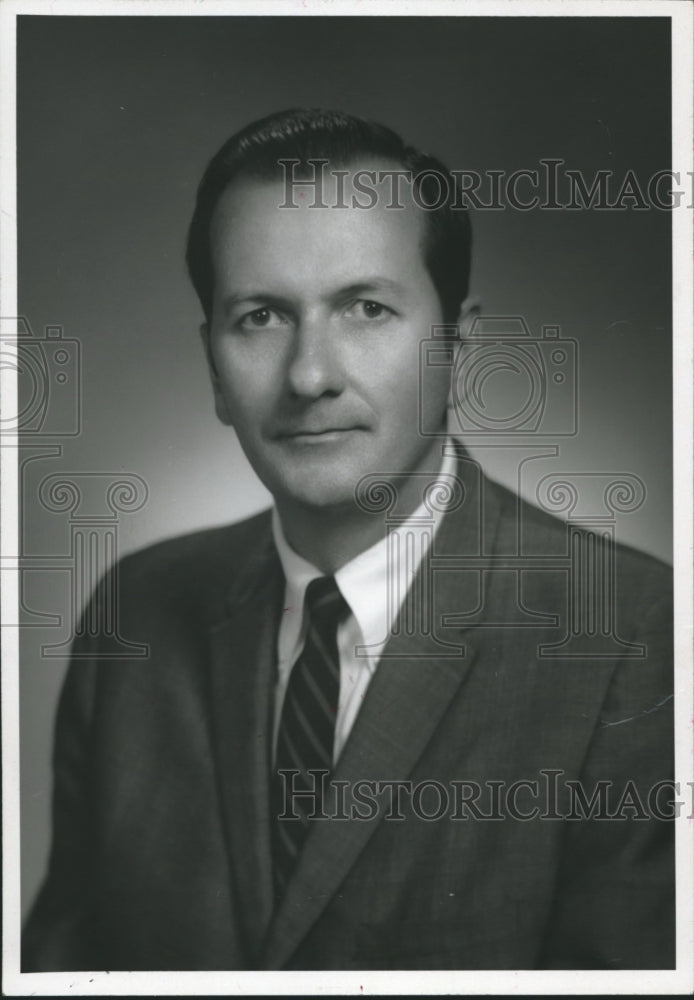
(469, 311)
(220, 405)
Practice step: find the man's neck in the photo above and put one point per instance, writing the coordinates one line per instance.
(330, 538)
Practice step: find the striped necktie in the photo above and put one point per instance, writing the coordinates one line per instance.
(307, 727)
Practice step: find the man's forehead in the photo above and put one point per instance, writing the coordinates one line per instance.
(259, 243)
(369, 185)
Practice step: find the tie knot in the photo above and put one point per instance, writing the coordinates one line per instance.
(324, 602)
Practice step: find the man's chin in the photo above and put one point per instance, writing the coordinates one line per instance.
(319, 494)
(320, 474)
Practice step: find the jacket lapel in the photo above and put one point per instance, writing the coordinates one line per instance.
(402, 708)
(404, 704)
(243, 662)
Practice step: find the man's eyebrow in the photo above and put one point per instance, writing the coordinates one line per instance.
(375, 284)
(246, 298)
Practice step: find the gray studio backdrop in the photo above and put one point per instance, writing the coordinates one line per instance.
(116, 120)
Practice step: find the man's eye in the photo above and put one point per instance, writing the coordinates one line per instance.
(261, 319)
(368, 309)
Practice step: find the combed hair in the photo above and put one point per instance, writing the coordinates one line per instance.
(309, 134)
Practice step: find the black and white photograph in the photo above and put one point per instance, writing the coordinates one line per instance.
(347, 497)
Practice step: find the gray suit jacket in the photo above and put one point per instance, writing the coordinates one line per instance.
(161, 856)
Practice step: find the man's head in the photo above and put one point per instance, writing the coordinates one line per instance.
(255, 152)
(315, 316)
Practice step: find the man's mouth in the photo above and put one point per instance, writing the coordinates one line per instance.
(301, 433)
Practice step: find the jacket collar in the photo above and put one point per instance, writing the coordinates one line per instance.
(242, 677)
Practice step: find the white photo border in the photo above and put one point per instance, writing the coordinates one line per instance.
(100, 983)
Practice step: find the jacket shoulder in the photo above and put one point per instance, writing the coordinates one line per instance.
(196, 569)
(640, 576)
(204, 548)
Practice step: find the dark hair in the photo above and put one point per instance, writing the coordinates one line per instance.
(307, 134)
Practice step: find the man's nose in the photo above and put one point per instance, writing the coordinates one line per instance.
(315, 368)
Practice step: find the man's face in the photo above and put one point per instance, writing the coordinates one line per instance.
(317, 320)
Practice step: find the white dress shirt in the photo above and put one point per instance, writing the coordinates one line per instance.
(363, 583)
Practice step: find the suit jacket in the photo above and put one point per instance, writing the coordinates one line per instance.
(161, 856)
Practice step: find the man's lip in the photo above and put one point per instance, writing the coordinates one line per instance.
(313, 432)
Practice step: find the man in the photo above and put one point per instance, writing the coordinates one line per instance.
(336, 757)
